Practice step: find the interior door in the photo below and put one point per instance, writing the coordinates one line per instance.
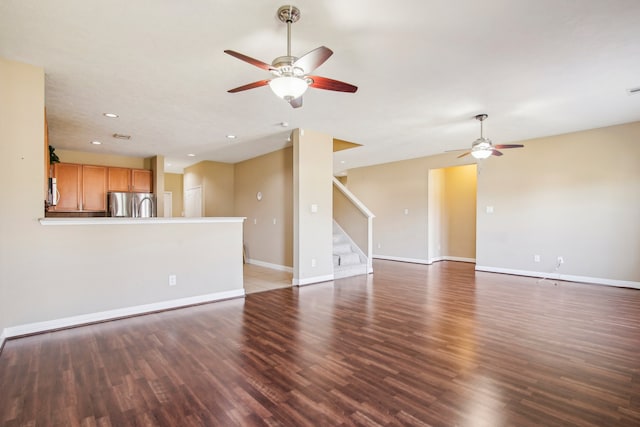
(168, 204)
(193, 202)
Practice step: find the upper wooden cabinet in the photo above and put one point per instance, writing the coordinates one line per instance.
(94, 188)
(124, 179)
(119, 179)
(85, 187)
(69, 184)
(141, 181)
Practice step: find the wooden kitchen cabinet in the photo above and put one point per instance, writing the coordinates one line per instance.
(94, 188)
(69, 184)
(141, 181)
(136, 180)
(119, 179)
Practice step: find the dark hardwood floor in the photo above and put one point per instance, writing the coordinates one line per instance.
(436, 345)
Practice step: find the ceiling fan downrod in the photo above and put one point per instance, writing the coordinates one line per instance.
(481, 118)
(289, 15)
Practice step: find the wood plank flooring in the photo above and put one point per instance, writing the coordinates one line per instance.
(436, 345)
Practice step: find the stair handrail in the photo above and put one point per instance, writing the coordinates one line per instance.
(366, 212)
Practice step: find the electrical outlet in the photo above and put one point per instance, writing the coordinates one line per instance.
(560, 260)
(536, 258)
(379, 245)
(173, 280)
(313, 262)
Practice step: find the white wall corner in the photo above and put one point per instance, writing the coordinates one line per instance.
(3, 337)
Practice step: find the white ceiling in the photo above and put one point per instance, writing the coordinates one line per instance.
(424, 68)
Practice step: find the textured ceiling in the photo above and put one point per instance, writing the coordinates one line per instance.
(424, 68)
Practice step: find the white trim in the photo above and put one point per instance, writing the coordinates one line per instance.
(402, 259)
(425, 261)
(83, 319)
(136, 221)
(560, 276)
(312, 280)
(270, 265)
(454, 258)
(2, 338)
(353, 198)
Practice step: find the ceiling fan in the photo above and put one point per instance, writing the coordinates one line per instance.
(291, 74)
(483, 147)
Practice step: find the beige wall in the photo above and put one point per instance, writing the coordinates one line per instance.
(52, 272)
(22, 172)
(460, 211)
(575, 195)
(174, 183)
(217, 183)
(312, 185)
(559, 196)
(268, 232)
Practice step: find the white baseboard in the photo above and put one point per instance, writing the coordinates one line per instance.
(560, 276)
(401, 259)
(425, 261)
(66, 322)
(312, 280)
(451, 258)
(270, 265)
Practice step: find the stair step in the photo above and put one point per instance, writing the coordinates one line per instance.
(342, 248)
(349, 259)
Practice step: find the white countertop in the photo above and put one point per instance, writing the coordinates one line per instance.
(136, 221)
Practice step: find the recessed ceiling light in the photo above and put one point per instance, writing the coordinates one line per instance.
(191, 155)
(284, 124)
(96, 142)
(343, 162)
(231, 136)
(110, 115)
(168, 164)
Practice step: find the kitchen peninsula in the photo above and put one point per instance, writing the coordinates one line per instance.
(107, 268)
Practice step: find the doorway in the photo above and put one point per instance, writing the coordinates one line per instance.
(452, 213)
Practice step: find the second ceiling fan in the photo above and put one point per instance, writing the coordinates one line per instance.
(483, 147)
(291, 74)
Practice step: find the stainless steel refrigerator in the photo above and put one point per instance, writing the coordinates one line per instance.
(132, 205)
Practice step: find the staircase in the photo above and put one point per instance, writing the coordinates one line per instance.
(348, 260)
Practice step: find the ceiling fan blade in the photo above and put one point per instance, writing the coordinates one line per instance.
(296, 102)
(312, 60)
(464, 154)
(250, 60)
(503, 146)
(249, 86)
(496, 153)
(330, 84)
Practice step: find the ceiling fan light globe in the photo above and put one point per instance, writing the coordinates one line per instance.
(481, 153)
(288, 87)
